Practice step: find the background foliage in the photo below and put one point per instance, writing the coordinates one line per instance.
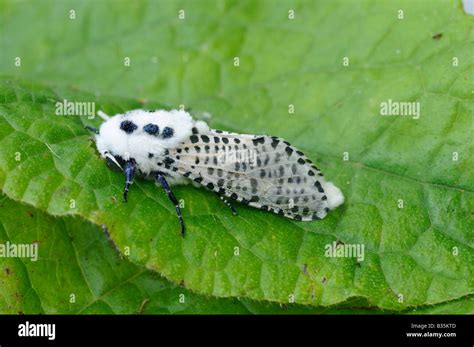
(409, 250)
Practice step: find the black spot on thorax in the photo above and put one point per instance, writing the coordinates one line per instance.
(167, 133)
(128, 126)
(151, 129)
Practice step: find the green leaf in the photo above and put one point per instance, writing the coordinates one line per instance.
(462, 306)
(278, 259)
(409, 251)
(74, 257)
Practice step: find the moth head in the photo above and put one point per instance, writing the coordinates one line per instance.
(137, 133)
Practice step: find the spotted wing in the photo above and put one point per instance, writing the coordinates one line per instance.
(261, 171)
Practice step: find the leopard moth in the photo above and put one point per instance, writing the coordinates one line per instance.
(172, 148)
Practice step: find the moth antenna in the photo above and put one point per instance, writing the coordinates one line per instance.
(103, 115)
(94, 130)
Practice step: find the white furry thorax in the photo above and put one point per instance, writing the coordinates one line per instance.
(139, 144)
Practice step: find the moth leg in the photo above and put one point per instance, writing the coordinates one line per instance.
(227, 203)
(160, 178)
(129, 170)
